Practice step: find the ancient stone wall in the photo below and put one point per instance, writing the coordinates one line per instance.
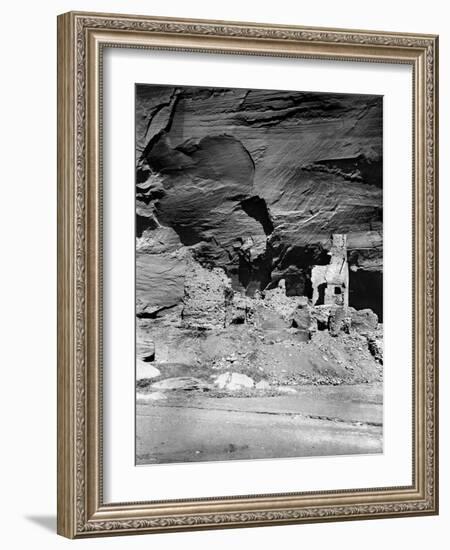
(330, 282)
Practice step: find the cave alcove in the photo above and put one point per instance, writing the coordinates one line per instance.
(366, 291)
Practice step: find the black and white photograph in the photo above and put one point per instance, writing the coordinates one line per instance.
(259, 274)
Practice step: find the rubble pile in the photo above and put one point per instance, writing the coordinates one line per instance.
(237, 343)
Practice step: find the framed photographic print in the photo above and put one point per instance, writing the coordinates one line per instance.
(247, 284)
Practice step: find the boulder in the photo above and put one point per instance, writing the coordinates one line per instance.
(364, 321)
(233, 381)
(146, 370)
(301, 318)
(262, 385)
(159, 283)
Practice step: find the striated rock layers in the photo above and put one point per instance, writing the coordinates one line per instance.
(254, 183)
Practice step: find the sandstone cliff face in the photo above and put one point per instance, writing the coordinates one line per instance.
(255, 182)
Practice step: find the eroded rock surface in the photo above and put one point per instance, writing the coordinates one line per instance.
(258, 239)
(256, 181)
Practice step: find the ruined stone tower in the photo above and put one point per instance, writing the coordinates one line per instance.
(330, 282)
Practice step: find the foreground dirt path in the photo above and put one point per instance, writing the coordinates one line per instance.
(316, 421)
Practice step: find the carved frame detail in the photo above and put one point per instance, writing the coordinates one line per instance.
(81, 37)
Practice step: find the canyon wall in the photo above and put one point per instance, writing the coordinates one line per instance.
(255, 182)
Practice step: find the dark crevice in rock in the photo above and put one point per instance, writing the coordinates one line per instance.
(151, 193)
(304, 256)
(255, 275)
(188, 235)
(159, 108)
(143, 169)
(154, 139)
(153, 314)
(274, 108)
(256, 208)
(149, 358)
(360, 169)
(268, 118)
(143, 223)
(366, 291)
(142, 174)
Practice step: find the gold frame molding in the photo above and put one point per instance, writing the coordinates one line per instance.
(81, 37)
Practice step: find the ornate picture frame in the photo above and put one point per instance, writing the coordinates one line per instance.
(82, 38)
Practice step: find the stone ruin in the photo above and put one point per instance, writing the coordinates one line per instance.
(210, 303)
(207, 297)
(330, 282)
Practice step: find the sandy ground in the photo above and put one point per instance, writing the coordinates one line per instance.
(315, 421)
